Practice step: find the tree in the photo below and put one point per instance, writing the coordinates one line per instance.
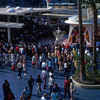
(82, 67)
(94, 5)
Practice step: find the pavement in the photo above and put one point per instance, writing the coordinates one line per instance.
(18, 85)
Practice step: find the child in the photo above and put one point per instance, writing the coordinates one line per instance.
(25, 74)
(24, 69)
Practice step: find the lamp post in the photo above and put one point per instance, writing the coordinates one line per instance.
(82, 67)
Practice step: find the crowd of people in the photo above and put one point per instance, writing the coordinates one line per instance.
(34, 29)
(45, 57)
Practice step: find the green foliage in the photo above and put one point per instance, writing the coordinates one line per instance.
(94, 4)
(91, 77)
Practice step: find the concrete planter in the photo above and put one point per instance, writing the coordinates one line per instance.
(85, 86)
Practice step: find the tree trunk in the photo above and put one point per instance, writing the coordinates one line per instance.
(94, 39)
(82, 67)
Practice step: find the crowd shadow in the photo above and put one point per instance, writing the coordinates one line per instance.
(75, 98)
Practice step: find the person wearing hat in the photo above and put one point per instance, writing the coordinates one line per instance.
(38, 82)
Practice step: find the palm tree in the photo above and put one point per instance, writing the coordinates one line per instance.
(82, 67)
(94, 5)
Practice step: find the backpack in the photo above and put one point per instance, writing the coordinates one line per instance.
(10, 96)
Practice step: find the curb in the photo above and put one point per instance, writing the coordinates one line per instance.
(85, 86)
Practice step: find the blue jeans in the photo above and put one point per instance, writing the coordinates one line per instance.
(19, 70)
(30, 89)
(65, 70)
(51, 89)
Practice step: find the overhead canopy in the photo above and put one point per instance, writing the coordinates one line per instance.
(11, 25)
(24, 11)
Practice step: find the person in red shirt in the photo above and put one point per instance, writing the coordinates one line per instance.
(67, 46)
(66, 87)
(33, 50)
(16, 48)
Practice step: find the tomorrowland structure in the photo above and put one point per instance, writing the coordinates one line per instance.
(87, 21)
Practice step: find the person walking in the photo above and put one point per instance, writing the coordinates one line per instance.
(56, 88)
(13, 64)
(40, 60)
(66, 87)
(19, 68)
(6, 87)
(30, 84)
(43, 64)
(65, 67)
(26, 93)
(33, 61)
(24, 70)
(44, 75)
(51, 83)
(38, 82)
(72, 89)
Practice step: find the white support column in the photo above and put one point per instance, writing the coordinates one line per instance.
(17, 19)
(70, 31)
(47, 3)
(9, 37)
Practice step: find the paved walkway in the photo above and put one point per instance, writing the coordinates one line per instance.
(17, 85)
